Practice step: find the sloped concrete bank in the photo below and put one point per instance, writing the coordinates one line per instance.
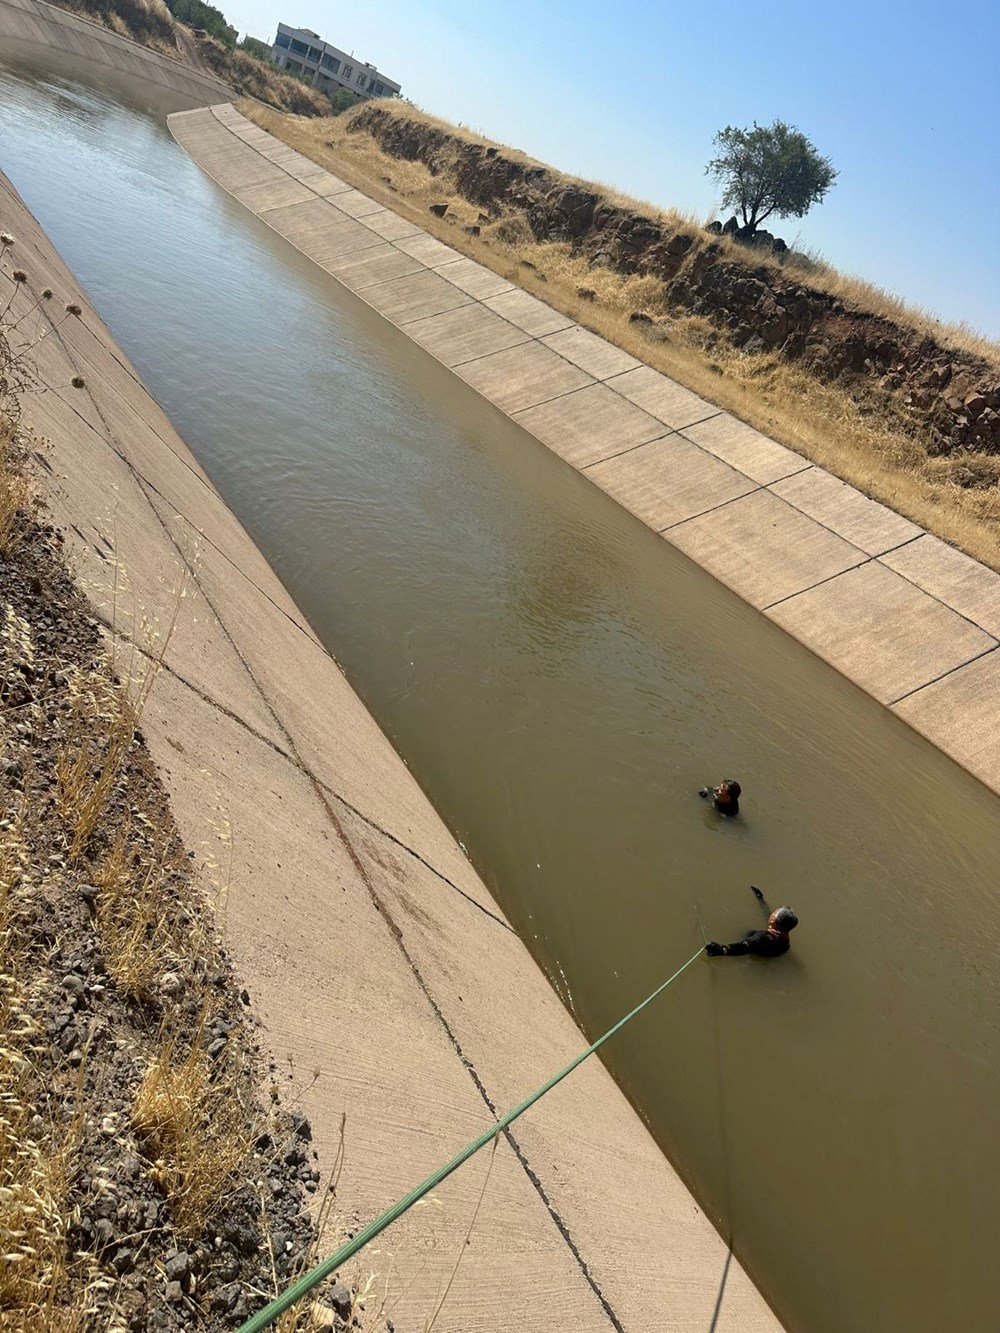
(912, 621)
(33, 23)
(392, 990)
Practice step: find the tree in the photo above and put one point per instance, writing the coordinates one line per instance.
(769, 169)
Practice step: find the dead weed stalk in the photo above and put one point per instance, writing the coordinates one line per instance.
(191, 1126)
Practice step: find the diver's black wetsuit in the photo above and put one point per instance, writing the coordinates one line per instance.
(763, 943)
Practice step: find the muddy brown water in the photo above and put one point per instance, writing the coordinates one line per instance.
(561, 682)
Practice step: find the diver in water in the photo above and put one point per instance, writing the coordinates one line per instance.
(725, 797)
(769, 943)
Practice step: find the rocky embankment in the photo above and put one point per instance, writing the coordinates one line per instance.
(948, 397)
(150, 1179)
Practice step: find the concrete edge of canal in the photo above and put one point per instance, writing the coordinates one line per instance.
(912, 621)
(34, 23)
(375, 955)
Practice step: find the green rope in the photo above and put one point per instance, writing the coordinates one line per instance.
(264, 1318)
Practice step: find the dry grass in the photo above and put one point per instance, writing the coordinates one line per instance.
(15, 491)
(192, 1127)
(89, 766)
(142, 948)
(847, 435)
(37, 1148)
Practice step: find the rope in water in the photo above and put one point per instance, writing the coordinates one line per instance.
(265, 1318)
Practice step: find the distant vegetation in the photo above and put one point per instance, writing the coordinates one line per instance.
(196, 14)
(253, 46)
(146, 21)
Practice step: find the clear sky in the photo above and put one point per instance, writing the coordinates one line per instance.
(904, 97)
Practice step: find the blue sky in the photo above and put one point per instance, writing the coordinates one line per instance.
(904, 97)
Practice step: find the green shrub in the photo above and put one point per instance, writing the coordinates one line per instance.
(253, 46)
(196, 14)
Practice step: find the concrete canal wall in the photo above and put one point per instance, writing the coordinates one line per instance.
(909, 619)
(375, 956)
(32, 23)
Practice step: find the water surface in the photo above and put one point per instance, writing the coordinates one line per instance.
(561, 681)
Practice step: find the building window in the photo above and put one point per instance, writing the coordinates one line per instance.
(348, 71)
(314, 55)
(360, 80)
(299, 48)
(328, 62)
(379, 90)
(283, 39)
(294, 66)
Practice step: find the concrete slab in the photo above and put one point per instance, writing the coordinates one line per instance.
(333, 243)
(764, 549)
(668, 481)
(959, 714)
(661, 397)
(528, 313)
(358, 205)
(463, 334)
(473, 278)
(419, 296)
(845, 511)
(428, 249)
(881, 631)
(590, 424)
(377, 263)
(522, 376)
(314, 215)
(953, 577)
(390, 226)
(124, 561)
(273, 194)
(591, 353)
(304, 169)
(328, 185)
(745, 449)
(253, 171)
(145, 438)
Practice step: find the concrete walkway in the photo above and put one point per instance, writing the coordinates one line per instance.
(909, 619)
(391, 988)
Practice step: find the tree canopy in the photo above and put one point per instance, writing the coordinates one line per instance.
(769, 169)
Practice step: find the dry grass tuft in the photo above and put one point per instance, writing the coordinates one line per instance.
(191, 1126)
(89, 766)
(16, 497)
(142, 946)
(37, 1150)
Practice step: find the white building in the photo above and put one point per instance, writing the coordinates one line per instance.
(303, 52)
